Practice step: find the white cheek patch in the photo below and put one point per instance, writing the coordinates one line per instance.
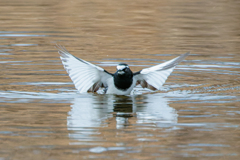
(121, 67)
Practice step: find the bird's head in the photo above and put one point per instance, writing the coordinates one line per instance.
(122, 69)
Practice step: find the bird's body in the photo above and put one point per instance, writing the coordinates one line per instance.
(88, 77)
(112, 89)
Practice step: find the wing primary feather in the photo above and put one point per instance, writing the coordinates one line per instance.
(163, 66)
(154, 77)
(90, 82)
(153, 81)
(65, 54)
(85, 75)
(176, 61)
(81, 80)
(62, 51)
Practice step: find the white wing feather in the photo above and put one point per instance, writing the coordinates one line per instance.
(85, 76)
(154, 77)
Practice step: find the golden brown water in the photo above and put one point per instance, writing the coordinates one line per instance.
(196, 115)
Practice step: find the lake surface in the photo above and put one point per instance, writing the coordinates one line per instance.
(196, 114)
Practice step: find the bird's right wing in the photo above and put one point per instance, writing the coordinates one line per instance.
(85, 76)
(154, 77)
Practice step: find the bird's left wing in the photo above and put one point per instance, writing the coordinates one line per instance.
(85, 76)
(154, 77)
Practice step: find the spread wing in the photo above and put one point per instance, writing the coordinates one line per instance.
(85, 76)
(154, 77)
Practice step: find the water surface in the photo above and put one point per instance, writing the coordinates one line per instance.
(194, 116)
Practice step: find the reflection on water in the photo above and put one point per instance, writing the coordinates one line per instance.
(155, 109)
(88, 112)
(147, 123)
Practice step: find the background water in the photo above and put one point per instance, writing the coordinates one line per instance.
(196, 115)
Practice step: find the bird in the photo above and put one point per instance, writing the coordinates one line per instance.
(88, 77)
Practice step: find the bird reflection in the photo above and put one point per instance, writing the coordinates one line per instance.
(123, 106)
(89, 112)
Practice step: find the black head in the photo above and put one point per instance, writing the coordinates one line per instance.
(123, 77)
